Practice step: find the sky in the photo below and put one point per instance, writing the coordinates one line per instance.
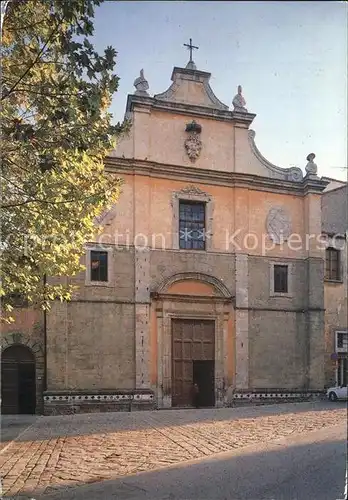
(289, 57)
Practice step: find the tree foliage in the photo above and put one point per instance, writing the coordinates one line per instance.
(56, 131)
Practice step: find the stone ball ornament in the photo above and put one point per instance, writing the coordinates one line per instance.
(278, 225)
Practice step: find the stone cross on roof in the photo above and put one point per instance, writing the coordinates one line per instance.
(190, 64)
(190, 47)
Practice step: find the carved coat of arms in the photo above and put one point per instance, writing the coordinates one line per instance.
(193, 146)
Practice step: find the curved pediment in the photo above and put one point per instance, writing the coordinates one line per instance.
(194, 284)
(293, 174)
(191, 87)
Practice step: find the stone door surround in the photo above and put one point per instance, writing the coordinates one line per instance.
(168, 306)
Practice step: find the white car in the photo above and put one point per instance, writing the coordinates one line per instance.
(335, 393)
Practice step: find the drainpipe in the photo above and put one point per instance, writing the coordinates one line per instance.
(45, 339)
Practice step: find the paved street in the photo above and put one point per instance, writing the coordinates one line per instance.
(309, 466)
(56, 456)
(12, 426)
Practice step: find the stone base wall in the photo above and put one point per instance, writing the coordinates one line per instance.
(70, 402)
(269, 396)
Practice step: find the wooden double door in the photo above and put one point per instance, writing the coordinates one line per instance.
(193, 362)
(18, 389)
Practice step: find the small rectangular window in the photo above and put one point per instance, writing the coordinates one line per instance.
(17, 299)
(99, 266)
(191, 225)
(340, 339)
(280, 279)
(332, 264)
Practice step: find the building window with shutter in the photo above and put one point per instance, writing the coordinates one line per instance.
(332, 264)
(191, 225)
(342, 342)
(280, 279)
(99, 266)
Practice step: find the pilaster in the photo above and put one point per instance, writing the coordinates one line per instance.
(315, 288)
(58, 326)
(220, 350)
(142, 318)
(141, 124)
(242, 322)
(316, 324)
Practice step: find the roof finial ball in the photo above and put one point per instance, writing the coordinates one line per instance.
(311, 167)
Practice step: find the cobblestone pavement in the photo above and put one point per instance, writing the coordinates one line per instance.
(12, 426)
(67, 451)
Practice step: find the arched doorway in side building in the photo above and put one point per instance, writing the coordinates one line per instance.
(18, 389)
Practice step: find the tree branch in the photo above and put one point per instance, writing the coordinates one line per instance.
(46, 94)
(43, 48)
(47, 202)
(26, 26)
(13, 183)
(16, 164)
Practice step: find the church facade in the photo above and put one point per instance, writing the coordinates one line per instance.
(209, 270)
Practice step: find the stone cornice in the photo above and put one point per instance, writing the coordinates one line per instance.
(213, 177)
(193, 73)
(205, 299)
(283, 309)
(313, 184)
(239, 119)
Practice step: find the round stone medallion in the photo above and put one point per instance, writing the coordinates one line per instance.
(278, 224)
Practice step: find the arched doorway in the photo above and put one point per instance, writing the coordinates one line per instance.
(193, 322)
(18, 391)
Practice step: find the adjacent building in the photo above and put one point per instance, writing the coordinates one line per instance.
(335, 228)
